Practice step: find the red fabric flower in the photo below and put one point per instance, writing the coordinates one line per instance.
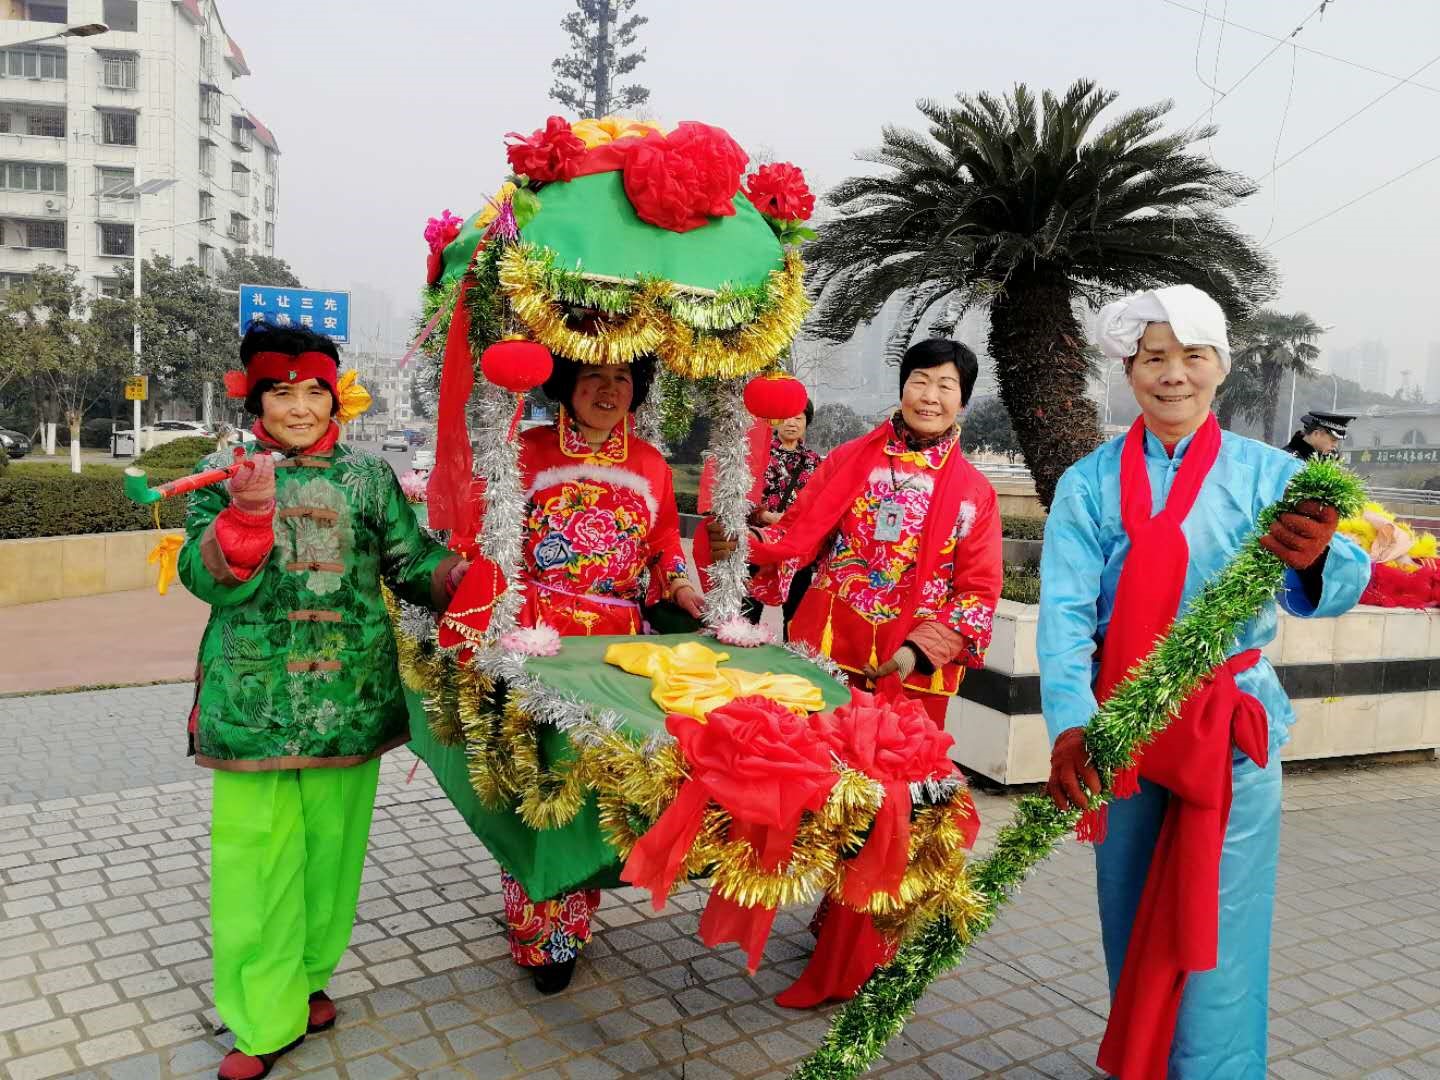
(682, 180)
(894, 741)
(755, 758)
(237, 385)
(550, 153)
(889, 737)
(779, 191)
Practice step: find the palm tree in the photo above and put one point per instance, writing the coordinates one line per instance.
(1029, 207)
(1268, 345)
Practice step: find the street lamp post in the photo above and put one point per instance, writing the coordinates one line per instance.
(138, 191)
(83, 30)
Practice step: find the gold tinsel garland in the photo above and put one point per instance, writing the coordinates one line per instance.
(633, 783)
(651, 327)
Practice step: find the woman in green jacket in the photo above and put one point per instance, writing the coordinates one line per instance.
(298, 691)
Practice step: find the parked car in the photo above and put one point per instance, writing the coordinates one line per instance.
(395, 440)
(423, 461)
(16, 445)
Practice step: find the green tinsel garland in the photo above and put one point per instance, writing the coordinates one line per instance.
(1138, 710)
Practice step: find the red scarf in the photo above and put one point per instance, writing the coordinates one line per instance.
(1176, 929)
(840, 480)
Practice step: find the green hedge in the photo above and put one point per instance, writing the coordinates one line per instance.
(49, 500)
(1022, 584)
(1022, 527)
(183, 454)
(685, 502)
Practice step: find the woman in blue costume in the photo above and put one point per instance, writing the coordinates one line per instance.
(1176, 354)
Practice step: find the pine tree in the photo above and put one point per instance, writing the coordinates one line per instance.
(600, 31)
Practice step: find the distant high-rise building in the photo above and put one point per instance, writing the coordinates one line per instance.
(1431, 381)
(85, 120)
(1367, 363)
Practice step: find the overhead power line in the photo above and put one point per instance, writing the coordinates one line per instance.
(1316, 10)
(1336, 127)
(1303, 48)
(1358, 198)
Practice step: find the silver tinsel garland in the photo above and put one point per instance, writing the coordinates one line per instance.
(502, 533)
(730, 501)
(649, 421)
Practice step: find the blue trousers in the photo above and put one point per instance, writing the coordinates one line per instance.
(1221, 1030)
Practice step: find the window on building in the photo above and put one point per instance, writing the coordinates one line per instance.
(45, 234)
(209, 105)
(207, 209)
(4, 121)
(33, 64)
(239, 227)
(271, 159)
(269, 197)
(207, 258)
(49, 124)
(109, 287)
(1413, 437)
(119, 127)
(25, 176)
(240, 180)
(116, 239)
(113, 181)
(10, 281)
(51, 11)
(270, 234)
(207, 158)
(120, 71)
(242, 134)
(122, 14)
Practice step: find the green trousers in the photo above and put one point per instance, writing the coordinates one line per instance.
(286, 851)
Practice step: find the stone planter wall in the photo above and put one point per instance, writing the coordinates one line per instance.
(59, 567)
(1367, 682)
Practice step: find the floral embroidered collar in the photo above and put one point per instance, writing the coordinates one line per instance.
(928, 452)
(572, 444)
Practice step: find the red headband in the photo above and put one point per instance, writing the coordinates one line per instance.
(282, 367)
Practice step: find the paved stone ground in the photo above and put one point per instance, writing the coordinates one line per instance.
(104, 962)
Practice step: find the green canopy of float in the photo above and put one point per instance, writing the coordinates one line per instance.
(591, 227)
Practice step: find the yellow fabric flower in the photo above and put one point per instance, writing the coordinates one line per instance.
(599, 132)
(167, 554)
(489, 211)
(354, 398)
(687, 679)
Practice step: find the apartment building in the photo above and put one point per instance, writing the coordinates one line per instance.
(84, 120)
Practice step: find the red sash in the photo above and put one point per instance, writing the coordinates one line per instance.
(1176, 928)
(841, 479)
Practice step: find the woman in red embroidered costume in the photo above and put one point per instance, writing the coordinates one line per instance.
(601, 519)
(908, 534)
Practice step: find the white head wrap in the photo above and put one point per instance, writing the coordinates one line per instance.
(1193, 315)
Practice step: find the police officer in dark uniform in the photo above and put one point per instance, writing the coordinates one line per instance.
(1320, 435)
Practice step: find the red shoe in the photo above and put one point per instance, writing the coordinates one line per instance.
(238, 1066)
(322, 1013)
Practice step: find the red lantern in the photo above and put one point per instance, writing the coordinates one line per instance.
(776, 396)
(516, 364)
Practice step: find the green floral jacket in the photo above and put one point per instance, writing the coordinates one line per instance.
(297, 665)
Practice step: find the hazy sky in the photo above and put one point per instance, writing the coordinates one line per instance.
(388, 112)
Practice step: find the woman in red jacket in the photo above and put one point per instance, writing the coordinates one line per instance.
(603, 537)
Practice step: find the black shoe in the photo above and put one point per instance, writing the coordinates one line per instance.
(552, 978)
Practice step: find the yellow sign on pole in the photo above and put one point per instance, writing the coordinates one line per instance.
(137, 388)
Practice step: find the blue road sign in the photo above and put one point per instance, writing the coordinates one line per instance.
(323, 311)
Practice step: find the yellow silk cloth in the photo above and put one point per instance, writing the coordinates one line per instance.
(688, 679)
(167, 554)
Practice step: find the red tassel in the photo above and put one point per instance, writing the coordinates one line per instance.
(1126, 783)
(447, 493)
(1092, 826)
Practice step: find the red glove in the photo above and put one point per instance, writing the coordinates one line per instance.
(252, 489)
(1071, 771)
(1301, 536)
